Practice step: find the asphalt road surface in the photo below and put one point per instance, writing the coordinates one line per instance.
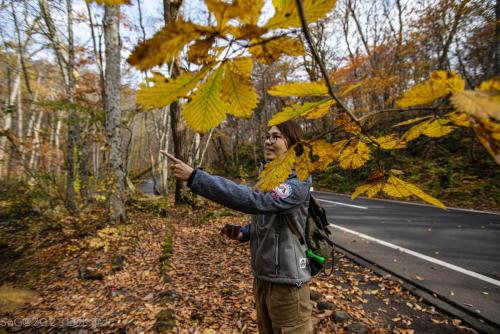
(454, 253)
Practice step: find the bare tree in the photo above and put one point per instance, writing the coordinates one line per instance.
(73, 123)
(116, 172)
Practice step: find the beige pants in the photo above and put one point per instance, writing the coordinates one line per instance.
(282, 308)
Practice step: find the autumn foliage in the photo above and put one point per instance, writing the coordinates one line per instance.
(225, 53)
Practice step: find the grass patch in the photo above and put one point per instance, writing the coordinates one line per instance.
(157, 205)
(11, 298)
(167, 252)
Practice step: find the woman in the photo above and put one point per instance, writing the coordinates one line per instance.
(279, 264)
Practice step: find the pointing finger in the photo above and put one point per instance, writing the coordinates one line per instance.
(170, 156)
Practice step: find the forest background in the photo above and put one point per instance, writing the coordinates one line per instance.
(58, 124)
(398, 98)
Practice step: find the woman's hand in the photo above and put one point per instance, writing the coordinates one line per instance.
(180, 169)
(232, 232)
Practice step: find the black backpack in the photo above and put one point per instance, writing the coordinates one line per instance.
(320, 247)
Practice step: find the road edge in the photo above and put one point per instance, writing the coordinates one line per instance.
(407, 202)
(474, 320)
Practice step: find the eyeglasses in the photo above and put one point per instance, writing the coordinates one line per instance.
(272, 139)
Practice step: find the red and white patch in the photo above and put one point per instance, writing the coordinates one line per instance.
(282, 191)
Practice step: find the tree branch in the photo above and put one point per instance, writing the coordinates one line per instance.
(315, 54)
(307, 34)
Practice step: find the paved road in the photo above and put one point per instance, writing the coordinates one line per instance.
(454, 253)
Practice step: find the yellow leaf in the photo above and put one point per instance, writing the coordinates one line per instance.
(110, 2)
(164, 92)
(488, 134)
(278, 4)
(371, 189)
(238, 92)
(477, 103)
(396, 172)
(222, 11)
(247, 31)
(437, 128)
(441, 83)
(459, 118)
(206, 109)
(492, 85)
(346, 122)
(303, 165)
(165, 45)
(276, 171)
(411, 121)
(297, 110)
(349, 88)
(390, 142)
(249, 11)
(493, 127)
(287, 15)
(317, 88)
(321, 110)
(242, 66)
(398, 188)
(355, 155)
(392, 189)
(326, 152)
(198, 52)
(431, 128)
(270, 49)
(415, 131)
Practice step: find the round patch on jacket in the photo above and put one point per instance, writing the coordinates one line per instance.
(282, 191)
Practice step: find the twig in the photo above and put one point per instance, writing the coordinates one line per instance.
(315, 54)
(322, 67)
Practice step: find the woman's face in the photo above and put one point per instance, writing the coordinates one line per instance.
(275, 144)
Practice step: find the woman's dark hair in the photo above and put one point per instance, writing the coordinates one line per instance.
(293, 134)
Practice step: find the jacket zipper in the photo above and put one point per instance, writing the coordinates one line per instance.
(276, 252)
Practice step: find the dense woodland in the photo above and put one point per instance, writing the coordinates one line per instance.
(71, 124)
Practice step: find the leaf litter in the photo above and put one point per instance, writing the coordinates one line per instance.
(208, 284)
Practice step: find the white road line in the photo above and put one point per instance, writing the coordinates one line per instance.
(422, 256)
(409, 203)
(349, 205)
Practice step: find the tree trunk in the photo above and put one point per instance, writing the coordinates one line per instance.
(194, 155)
(96, 153)
(200, 161)
(52, 34)
(164, 145)
(36, 141)
(8, 120)
(57, 141)
(496, 58)
(73, 123)
(56, 46)
(116, 196)
(83, 148)
(170, 13)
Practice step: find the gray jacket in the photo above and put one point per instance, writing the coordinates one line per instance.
(277, 254)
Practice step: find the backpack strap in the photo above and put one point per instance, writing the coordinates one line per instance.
(319, 215)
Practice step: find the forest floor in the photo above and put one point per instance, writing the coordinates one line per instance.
(175, 273)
